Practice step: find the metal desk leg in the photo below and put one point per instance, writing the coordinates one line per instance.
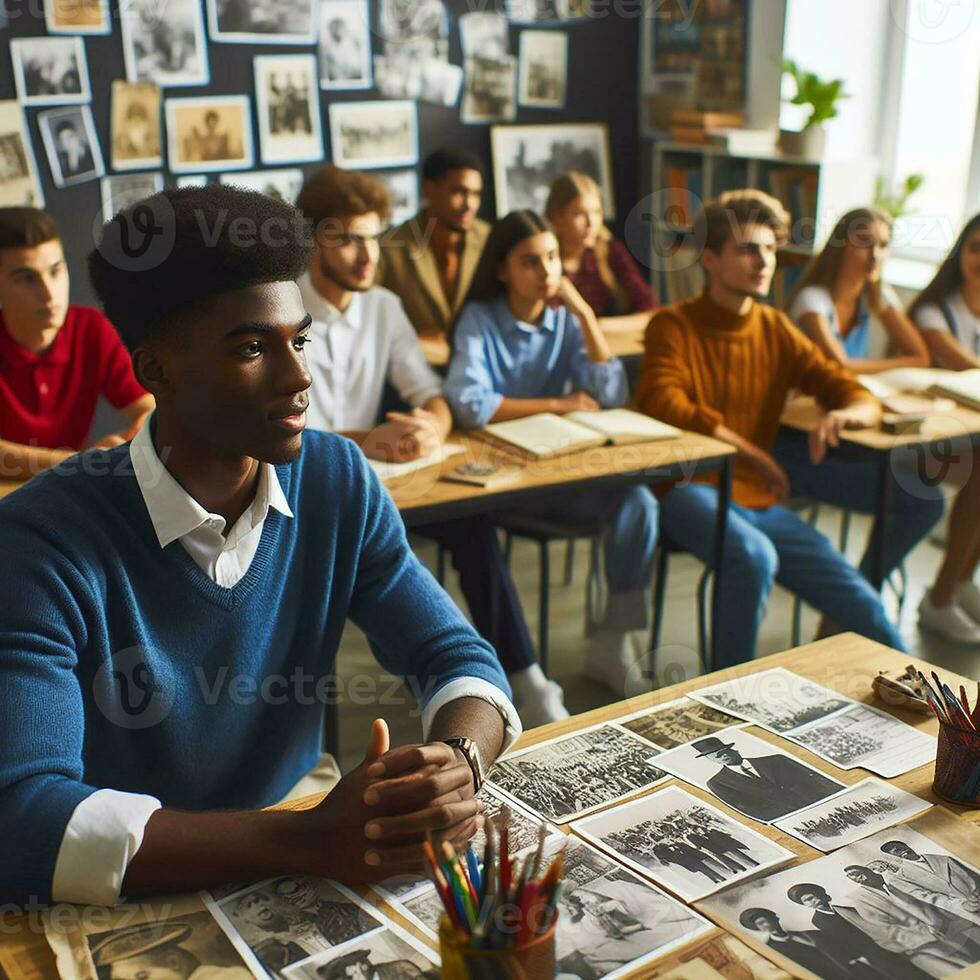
(721, 526)
(883, 493)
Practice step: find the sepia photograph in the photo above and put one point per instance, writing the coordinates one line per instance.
(137, 140)
(72, 145)
(567, 777)
(50, 70)
(261, 21)
(750, 775)
(121, 190)
(414, 28)
(164, 45)
(488, 89)
(676, 722)
(857, 812)
(19, 182)
(484, 33)
(287, 101)
(777, 700)
(370, 135)
(897, 905)
(387, 954)
(682, 843)
(77, 16)
(345, 44)
(283, 185)
(285, 920)
(210, 133)
(527, 160)
(544, 69)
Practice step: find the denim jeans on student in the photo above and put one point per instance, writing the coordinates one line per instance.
(763, 547)
(915, 507)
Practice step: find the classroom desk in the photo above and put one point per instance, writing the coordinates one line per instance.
(9, 486)
(942, 435)
(845, 663)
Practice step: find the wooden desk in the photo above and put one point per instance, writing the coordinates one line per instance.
(9, 486)
(846, 664)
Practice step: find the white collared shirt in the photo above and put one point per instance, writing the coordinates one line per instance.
(354, 352)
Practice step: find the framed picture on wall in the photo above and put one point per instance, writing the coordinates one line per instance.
(121, 190)
(72, 145)
(403, 186)
(528, 159)
(284, 185)
(345, 44)
(137, 137)
(488, 93)
(19, 184)
(287, 100)
(164, 44)
(370, 135)
(50, 70)
(261, 21)
(209, 134)
(77, 17)
(544, 69)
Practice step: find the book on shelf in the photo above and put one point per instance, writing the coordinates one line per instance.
(545, 435)
(707, 120)
(391, 471)
(685, 188)
(745, 142)
(962, 387)
(796, 189)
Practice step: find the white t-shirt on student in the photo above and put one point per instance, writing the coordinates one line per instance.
(962, 322)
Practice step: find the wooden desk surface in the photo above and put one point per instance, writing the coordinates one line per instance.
(9, 486)
(846, 664)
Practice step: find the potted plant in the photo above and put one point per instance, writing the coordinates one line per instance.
(822, 98)
(893, 204)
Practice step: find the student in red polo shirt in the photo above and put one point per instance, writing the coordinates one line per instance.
(55, 359)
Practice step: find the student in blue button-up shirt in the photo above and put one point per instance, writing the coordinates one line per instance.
(519, 348)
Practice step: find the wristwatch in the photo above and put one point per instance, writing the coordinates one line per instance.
(471, 752)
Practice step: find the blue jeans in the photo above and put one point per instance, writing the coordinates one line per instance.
(763, 547)
(849, 484)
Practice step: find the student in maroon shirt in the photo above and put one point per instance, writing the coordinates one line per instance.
(596, 264)
(55, 359)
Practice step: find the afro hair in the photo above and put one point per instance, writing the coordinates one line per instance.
(164, 257)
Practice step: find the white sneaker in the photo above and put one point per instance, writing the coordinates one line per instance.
(545, 706)
(950, 622)
(968, 599)
(612, 660)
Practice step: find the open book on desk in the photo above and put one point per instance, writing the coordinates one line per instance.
(391, 471)
(961, 386)
(545, 435)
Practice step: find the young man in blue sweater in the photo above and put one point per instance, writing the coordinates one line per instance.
(174, 605)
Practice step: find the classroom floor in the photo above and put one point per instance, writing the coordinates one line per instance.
(677, 660)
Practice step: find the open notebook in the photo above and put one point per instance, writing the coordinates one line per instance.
(961, 386)
(391, 471)
(545, 435)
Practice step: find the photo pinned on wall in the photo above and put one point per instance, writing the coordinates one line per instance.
(210, 133)
(484, 33)
(441, 82)
(19, 182)
(137, 139)
(287, 100)
(121, 190)
(193, 180)
(50, 70)
(528, 159)
(72, 145)
(397, 77)
(77, 17)
(547, 11)
(345, 44)
(488, 90)
(544, 69)
(414, 29)
(283, 185)
(261, 21)
(403, 186)
(165, 44)
(373, 135)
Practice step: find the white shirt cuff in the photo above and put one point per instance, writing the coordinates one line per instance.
(103, 835)
(475, 687)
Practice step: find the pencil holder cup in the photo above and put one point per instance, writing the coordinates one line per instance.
(958, 765)
(461, 961)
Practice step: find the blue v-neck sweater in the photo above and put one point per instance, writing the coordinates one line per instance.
(122, 665)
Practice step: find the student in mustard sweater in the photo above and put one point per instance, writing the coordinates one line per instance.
(723, 364)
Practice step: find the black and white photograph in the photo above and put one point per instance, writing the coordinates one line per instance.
(859, 811)
(287, 100)
(527, 160)
(440, 82)
(190, 945)
(544, 69)
(535, 11)
(750, 775)
(567, 777)
(19, 183)
(72, 145)
(403, 186)
(77, 16)
(137, 138)
(484, 33)
(676, 722)
(211, 133)
(164, 44)
(777, 700)
(193, 180)
(345, 44)
(284, 184)
(261, 21)
(50, 70)
(897, 905)
(489, 89)
(398, 76)
(283, 921)
(862, 736)
(388, 954)
(121, 190)
(370, 135)
(682, 843)
(414, 28)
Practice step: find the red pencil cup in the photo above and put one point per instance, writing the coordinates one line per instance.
(461, 961)
(958, 765)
